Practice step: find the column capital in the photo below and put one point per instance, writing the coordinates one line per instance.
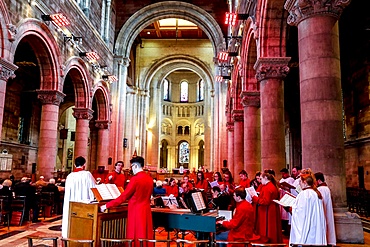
(7, 69)
(251, 98)
(102, 124)
(300, 10)
(230, 126)
(271, 68)
(238, 115)
(52, 97)
(125, 61)
(83, 113)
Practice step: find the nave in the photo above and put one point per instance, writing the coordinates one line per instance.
(16, 236)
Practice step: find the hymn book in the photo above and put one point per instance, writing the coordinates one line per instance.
(104, 192)
(198, 201)
(251, 191)
(286, 201)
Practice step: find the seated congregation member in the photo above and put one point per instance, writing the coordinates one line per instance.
(244, 180)
(328, 208)
(172, 188)
(116, 177)
(268, 220)
(228, 181)
(158, 189)
(220, 200)
(24, 188)
(6, 192)
(308, 218)
(241, 226)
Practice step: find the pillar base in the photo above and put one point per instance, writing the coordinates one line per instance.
(348, 227)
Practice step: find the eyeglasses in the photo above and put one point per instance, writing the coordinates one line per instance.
(133, 164)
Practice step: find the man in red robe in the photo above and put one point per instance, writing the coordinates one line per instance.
(138, 193)
(116, 177)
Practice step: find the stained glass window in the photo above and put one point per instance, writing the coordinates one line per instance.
(184, 91)
(166, 93)
(184, 153)
(201, 90)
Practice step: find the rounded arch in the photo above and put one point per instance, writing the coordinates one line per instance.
(172, 9)
(161, 68)
(100, 93)
(46, 50)
(76, 68)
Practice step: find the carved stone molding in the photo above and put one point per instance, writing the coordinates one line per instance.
(12, 31)
(238, 115)
(303, 9)
(7, 69)
(230, 126)
(102, 124)
(271, 67)
(251, 99)
(82, 113)
(50, 97)
(124, 61)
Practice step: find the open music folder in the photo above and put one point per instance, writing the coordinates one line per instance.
(106, 192)
(197, 203)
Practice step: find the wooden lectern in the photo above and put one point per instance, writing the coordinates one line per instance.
(86, 222)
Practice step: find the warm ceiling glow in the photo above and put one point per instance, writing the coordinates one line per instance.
(170, 23)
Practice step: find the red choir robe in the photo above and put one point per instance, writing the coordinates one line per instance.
(202, 185)
(139, 219)
(242, 224)
(245, 183)
(268, 220)
(174, 190)
(118, 179)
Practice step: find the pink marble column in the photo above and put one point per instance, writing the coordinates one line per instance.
(252, 136)
(230, 146)
(270, 74)
(103, 142)
(238, 118)
(47, 150)
(83, 116)
(6, 71)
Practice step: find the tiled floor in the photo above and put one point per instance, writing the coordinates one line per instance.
(17, 236)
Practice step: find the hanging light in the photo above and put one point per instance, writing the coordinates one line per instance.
(59, 19)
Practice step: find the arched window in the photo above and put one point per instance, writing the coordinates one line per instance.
(184, 88)
(201, 90)
(201, 154)
(187, 130)
(164, 154)
(166, 90)
(179, 130)
(184, 153)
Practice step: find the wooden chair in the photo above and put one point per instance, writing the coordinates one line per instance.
(31, 238)
(115, 242)
(185, 242)
(236, 243)
(46, 202)
(4, 212)
(168, 241)
(77, 242)
(19, 205)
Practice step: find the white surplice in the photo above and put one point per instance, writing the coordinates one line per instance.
(284, 214)
(77, 189)
(329, 214)
(308, 219)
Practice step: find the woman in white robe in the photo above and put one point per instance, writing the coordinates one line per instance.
(308, 218)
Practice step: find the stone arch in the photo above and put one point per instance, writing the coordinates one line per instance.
(271, 17)
(101, 95)
(46, 50)
(171, 9)
(166, 65)
(77, 69)
(7, 31)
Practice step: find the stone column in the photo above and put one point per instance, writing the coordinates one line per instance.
(83, 116)
(6, 71)
(103, 142)
(270, 74)
(238, 119)
(321, 102)
(230, 146)
(252, 136)
(47, 150)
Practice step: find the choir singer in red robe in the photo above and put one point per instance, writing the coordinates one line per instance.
(138, 193)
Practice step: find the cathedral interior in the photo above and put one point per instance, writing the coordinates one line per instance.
(226, 83)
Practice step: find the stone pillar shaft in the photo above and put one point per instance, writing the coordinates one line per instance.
(230, 146)
(103, 142)
(238, 142)
(83, 116)
(252, 136)
(270, 74)
(47, 152)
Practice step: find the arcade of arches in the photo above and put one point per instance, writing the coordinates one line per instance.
(294, 90)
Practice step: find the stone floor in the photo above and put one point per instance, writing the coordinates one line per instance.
(16, 236)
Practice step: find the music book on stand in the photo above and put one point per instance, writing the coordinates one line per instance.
(286, 201)
(106, 192)
(197, 202)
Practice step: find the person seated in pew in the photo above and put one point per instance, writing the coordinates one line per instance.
(241, 226)
(159, 189)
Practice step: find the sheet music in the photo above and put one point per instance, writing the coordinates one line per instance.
(226, 213)
(251, 191)
(113, 189)
(170, 201)
(198, 201)
(108, 191)
(286, 201)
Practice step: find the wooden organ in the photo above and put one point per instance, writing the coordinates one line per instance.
(86, 222)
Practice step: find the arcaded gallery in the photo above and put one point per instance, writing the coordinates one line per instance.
(211, 86)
